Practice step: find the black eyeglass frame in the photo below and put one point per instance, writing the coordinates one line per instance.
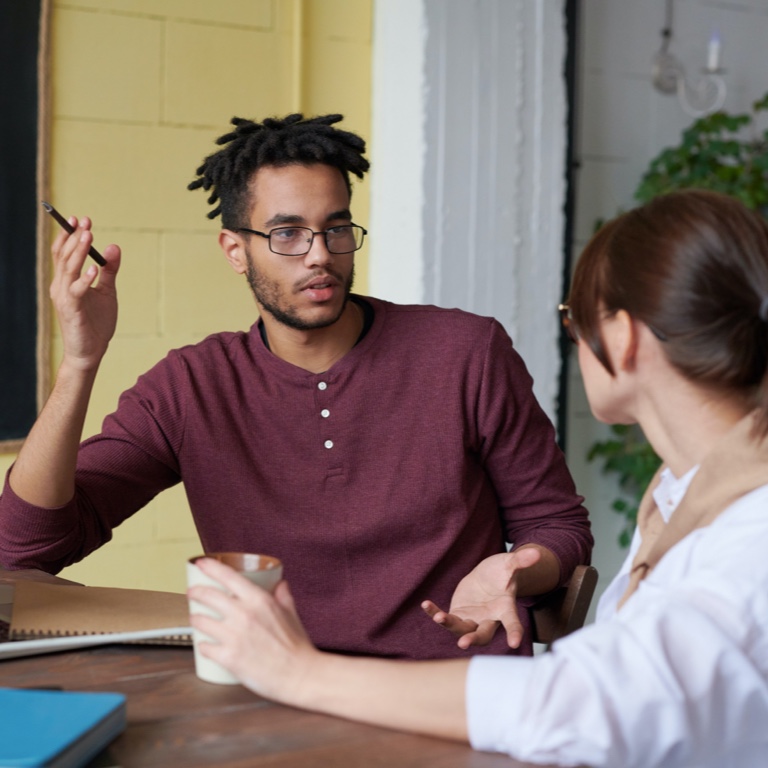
(566, 318)
(323, 232)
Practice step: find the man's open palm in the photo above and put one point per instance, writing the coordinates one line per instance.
(486, 598)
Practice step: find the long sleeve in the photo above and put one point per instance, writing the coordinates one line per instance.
(537, 498)
(119, 471)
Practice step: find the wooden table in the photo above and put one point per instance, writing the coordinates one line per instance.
(175, 719)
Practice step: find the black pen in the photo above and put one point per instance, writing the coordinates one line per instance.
(92, 252)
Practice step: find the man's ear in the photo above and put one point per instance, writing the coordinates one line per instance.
(624, 340)
(233, 246)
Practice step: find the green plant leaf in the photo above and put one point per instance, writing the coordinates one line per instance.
(713, 154)
(761, 104)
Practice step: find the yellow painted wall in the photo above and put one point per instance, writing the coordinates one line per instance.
(140, 89)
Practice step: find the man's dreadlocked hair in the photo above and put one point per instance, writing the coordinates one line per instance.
(275, 142)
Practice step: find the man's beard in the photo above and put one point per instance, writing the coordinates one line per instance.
(267, 295)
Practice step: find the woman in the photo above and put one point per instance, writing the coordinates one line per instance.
(669, 308)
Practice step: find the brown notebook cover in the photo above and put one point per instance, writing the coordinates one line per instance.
(58, 610)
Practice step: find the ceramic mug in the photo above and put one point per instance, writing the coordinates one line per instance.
(264, 570)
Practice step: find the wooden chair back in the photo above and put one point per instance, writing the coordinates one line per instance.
(566, 608)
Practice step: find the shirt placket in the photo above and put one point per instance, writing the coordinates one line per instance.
(325, 412)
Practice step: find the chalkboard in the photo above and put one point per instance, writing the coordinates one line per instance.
(19, 106)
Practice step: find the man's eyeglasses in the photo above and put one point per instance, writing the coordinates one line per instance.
(297, 241)
(566, 318)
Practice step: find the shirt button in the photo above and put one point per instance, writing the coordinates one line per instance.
(328, 443)
(322, 385)
(325, 413)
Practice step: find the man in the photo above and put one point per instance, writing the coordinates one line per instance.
(380, 451)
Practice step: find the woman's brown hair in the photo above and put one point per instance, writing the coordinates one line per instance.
(692, 266)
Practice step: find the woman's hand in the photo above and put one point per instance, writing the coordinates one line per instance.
(259, 638)
(486, 598)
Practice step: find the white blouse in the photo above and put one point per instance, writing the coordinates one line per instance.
(677, 678)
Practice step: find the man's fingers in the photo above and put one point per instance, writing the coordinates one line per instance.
(449, 621)
(430, 608)
(79, 287)
(482, 635)
(525, 557)
(456, 625)
(112, 256)
(58, 243)
(513, 627)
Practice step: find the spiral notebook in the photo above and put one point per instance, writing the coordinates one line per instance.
(49, 617)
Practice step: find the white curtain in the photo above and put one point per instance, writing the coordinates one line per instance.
(468, 164)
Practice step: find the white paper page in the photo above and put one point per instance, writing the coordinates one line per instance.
(16, 648)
